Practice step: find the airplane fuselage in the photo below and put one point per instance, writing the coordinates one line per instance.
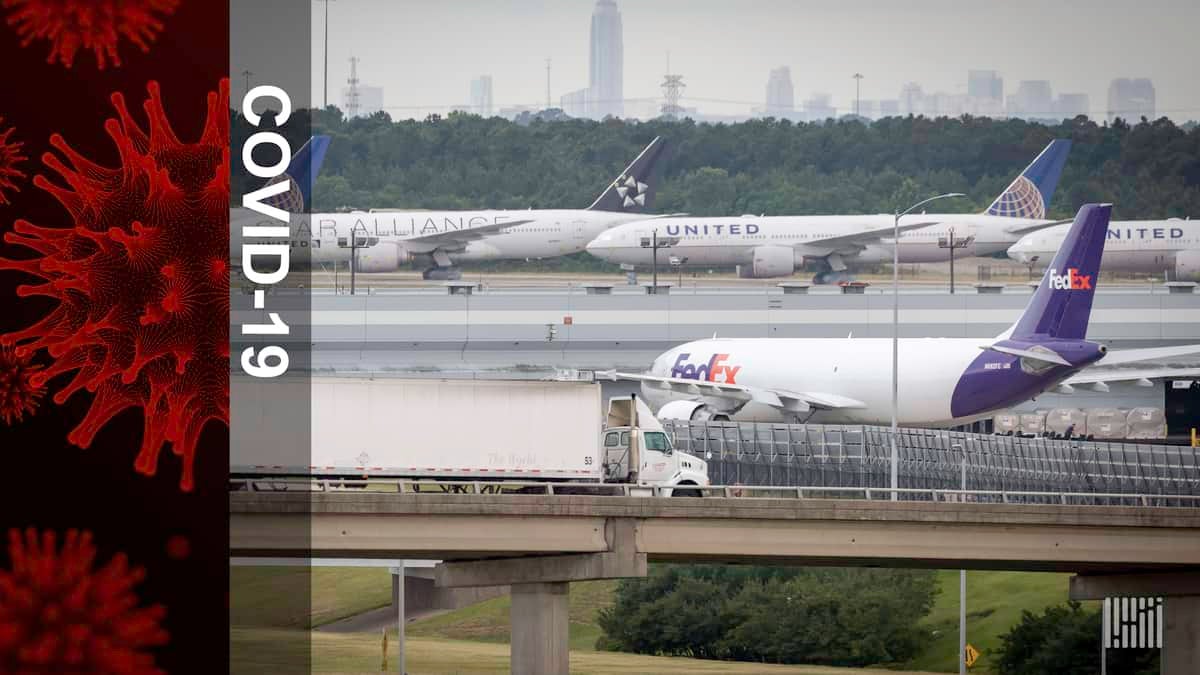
(732, 241)
(1148, 246)
(549, 232)
(942, 381)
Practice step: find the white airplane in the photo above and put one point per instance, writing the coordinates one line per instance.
(1170, 247)
(388, 240)
(776, 246)
(943, 382)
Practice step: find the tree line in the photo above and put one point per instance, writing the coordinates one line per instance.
(836, 617)
(1150, 169)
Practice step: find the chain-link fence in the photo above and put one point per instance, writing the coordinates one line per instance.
(746, 453)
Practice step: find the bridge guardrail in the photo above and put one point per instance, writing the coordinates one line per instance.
(800, 492)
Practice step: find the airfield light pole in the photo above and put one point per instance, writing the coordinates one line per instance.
(962, 582)
(326, 95)
(952, 243)
(654, 252)
(895, 482)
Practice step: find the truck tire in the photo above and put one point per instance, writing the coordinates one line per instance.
(684, 491)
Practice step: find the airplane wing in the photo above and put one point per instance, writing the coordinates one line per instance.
(738, 394)
(1145, 376)
(1026, 229)
(1151, 354)
(1101, 373)
(423, 243)
(866, 236)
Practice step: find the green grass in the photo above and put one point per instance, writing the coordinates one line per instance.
(263, 650)
(298, 597)
(995, 601)
(289, 598)
(488, 621)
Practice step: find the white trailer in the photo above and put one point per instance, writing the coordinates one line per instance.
(456, 430)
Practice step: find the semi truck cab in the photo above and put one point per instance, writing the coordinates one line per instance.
(637, 450)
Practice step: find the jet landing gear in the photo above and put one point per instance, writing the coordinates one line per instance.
(831, 270)
(442, 274)
(832, 277)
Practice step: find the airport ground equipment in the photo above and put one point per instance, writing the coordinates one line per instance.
(766, 454)
(485, 430)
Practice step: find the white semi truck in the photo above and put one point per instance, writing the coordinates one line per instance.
(476, 430)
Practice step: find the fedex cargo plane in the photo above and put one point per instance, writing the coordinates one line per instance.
(943, 382)
(776, 246)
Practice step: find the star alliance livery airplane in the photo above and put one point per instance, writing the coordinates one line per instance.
(438, 240)
(943, 382)
(776, 246)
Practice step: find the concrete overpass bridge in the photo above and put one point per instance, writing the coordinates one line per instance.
(539, 543)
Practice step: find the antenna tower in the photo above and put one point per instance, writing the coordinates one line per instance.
(672, 88)
(352, 92)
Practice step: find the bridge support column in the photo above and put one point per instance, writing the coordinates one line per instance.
(539, 629)
(1181, 636)
(1181, 610)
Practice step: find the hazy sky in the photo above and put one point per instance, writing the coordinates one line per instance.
(424, 54)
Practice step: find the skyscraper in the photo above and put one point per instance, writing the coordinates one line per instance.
(1071, 106)
(985, 85)
(781, 99)
(481, 95)
(1131, 99)
(607, 61)
(1034, 99)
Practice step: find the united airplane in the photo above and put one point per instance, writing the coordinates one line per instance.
(1170, 247)
(776, 246)
(943, 382)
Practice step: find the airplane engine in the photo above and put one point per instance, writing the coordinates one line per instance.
(1187, 265)
(382, 257)
(769, 261)
(691, 411)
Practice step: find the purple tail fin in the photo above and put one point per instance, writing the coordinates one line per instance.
(1062, 303)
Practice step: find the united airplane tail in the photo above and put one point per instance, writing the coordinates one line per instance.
(1062, 303)
(633, 191)
(1029, 195)
(301, 173)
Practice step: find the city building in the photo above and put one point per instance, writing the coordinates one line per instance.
(1071, 106)
(1131, 99)
(1034, 99)
(781, 98)
(481, 95)
(607, 62)
(819, 108)
(575, 103)
(985, 85)
(912, 99)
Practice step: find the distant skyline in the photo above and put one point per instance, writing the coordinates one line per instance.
(424, 55)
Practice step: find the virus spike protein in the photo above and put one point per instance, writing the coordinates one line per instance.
(58, 614)
(141, 280)
(18, 393)
(10, 156)
(97, 25)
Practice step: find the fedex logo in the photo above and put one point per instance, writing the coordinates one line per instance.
(713, 371)
(1071, 281)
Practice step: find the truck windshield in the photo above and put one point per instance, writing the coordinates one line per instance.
(656, 440)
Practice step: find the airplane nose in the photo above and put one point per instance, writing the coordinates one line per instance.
(598, 248)
(1015, 253)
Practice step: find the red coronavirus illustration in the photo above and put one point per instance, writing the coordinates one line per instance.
(97, 25)
(10, 156)
(59, 615)
(179, 547)
(19, 392)
(141, 280)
